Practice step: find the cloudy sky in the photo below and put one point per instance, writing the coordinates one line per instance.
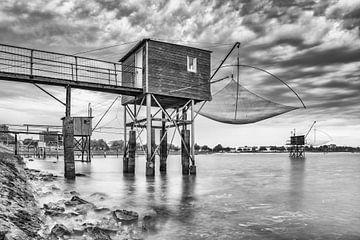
(312, 45)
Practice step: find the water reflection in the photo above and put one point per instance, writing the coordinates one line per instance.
(297, 175)
(187, 201)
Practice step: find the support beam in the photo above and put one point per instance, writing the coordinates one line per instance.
(132, 150)
(68, 138)
(69, 163)
(16, 145)
(193, 166)
(185, 156)
(150, 168)
(163, 145)
(125, 157)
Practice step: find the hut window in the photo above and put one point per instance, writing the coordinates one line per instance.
(191, 64)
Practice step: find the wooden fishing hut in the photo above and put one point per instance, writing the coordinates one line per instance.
(173, 79)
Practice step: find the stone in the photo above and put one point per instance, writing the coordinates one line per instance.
(98, 233)
(75, 200)
(74, 193)
(59, 230)
(80, 175)
(149, 223)
(125, 217)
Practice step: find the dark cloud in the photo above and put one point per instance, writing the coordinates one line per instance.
(315, 57)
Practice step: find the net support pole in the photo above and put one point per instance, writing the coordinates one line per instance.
(68, 138)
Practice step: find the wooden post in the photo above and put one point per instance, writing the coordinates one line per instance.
(16, 145)
(163, 145)
(89, 149)
(125, 158)
(185, 134)
(68, 138)
(150, 170)
(193, 166)
(132, 150)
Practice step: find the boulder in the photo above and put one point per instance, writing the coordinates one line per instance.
(60, 230)
(125, 217)
(75, 200)
(98, 233)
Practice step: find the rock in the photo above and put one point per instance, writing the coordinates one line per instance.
(101, 209)
(149, 223)
(31, 160)
(19, 215)
(125, 217)
(80, 175)
(98, 233)
(75, 200)
(74, 193)
(54, 207)
(60, 230)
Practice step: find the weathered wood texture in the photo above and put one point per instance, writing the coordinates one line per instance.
(167, 71)
(128, 76)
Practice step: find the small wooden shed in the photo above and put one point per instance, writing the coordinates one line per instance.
(174, 73)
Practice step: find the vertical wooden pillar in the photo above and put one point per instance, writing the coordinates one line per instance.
(125, 157)
(193, 166)
(68, 138)
(132, 150)
(185, 144)
(163, 145)
(89, 149)
(16, 145)
(150, 168)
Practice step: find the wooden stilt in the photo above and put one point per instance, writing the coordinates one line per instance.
(125, 157)
(150, 170)
(68, 138)
(192, 166)
(163, 145)
(185, 134)
(16, 145)
(132, 150)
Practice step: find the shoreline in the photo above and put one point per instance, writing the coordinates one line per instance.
(69, 215)
(19, 213)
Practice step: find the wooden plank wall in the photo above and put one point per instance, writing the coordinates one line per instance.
(168, 71)
(127, 76)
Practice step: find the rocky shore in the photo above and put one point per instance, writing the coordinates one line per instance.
(67, 216)
(19, 213)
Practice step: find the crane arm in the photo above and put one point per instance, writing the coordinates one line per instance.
(310, 129)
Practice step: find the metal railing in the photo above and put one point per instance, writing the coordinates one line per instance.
(20, 60)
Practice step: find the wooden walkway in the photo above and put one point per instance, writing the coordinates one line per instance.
(18, 64)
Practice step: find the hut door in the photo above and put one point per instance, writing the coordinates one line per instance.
(139, 68)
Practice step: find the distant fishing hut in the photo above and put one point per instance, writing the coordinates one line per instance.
(173, 78)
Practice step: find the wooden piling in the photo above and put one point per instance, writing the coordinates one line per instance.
(16, 145)
(163, 145)
(125, 157)
(185, 156)
(150, 168)
(132, 150)
(192, 166)
(68, 138)
(68, 132)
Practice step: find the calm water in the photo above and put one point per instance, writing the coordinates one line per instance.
(233, 196)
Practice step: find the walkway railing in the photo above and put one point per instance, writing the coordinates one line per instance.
(19, 60)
